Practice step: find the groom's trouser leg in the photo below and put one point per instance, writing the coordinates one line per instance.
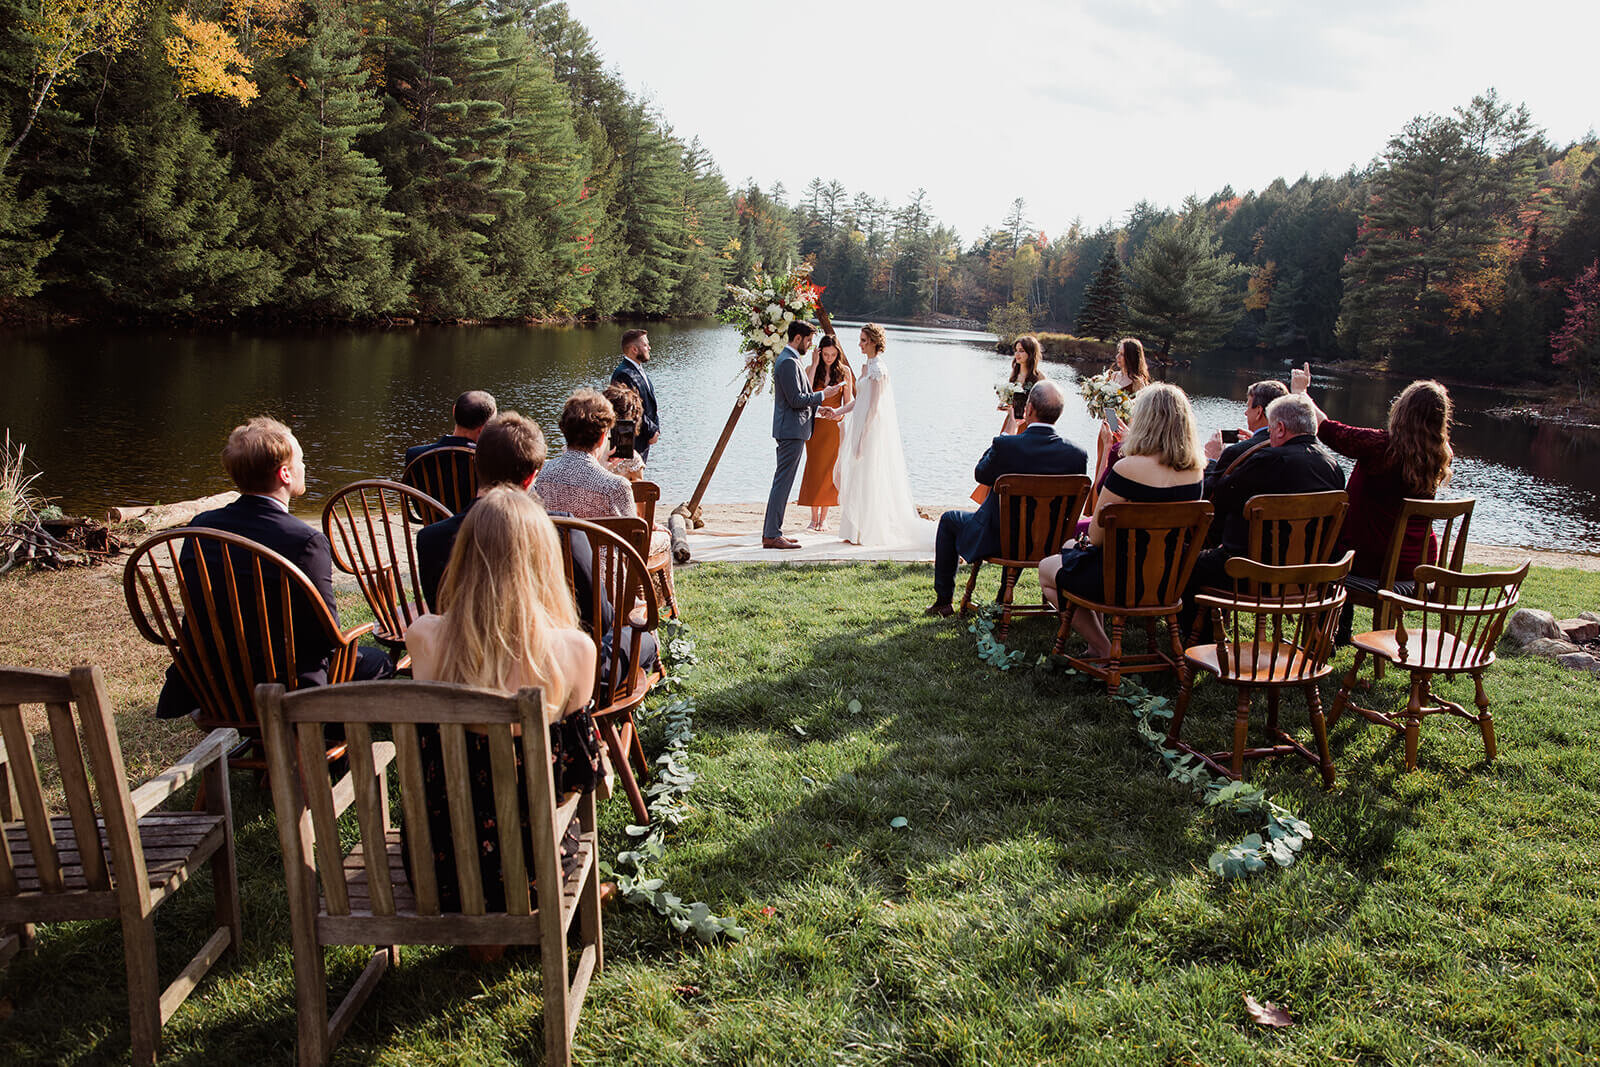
(789, 453)
(945, 560)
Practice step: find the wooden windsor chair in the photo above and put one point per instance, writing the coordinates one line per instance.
(372, 526)
(371, 895)
(1275, 632)
(646, 495)
(234, 614)
(1150, 551)
(118, 858)
(1449, 552)
(1036, 514)
(1457, 620)
(448, 474)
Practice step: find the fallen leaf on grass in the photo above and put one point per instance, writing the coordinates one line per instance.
(686, 991)
(769, 910)
(1266, 1014)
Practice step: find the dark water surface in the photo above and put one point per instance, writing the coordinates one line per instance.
(126, 417)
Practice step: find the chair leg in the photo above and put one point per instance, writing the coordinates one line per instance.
(224, 861)
(1241, 731)
(1175, 731)
(1485, 720)
(557, 990)
(1067, 612)
(144, 987)
(1008, 585)
(1413, 718)
(624, 769)
(972, 583)
(1272, 711)
(1114, 666)
(1342, 701)
(1175, 639)
(1319, 729)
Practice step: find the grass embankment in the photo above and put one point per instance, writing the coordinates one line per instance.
(1047, 901)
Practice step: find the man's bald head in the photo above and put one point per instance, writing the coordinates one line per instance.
(1045, 402)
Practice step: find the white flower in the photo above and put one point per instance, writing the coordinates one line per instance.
(788, 317)
(769, 294)
(774, 312)
(755, 320)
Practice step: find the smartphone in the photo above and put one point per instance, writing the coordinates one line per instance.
(622, 439)
(1230, 437)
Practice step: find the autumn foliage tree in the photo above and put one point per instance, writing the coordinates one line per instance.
(1577, 343)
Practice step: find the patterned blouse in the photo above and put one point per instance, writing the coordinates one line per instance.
(575, 482)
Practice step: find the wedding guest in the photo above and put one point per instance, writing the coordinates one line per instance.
(472, 409)
(1294, 461)
(1221, 457)
(1409, 458)
(626, 406)
(577, 480)
(1130, 373)
(1035, 449)
(1161, 463)
(794, 410)
(817, 489)
(630, 372)
(269, 469)
(1025, 372)
(508, 622)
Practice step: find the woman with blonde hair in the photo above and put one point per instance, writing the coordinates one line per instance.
(507, 620)
(1162, 463)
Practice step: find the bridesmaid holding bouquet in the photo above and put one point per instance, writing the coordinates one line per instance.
(817, 490)
(1025, 374)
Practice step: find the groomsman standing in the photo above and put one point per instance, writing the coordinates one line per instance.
(630, 372)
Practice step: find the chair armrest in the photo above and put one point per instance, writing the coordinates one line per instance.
(344, 790)
(350, 636)
(214, 746)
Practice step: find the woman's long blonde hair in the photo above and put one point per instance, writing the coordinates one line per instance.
(1162, 425)
(1419, 437)
(504, 593)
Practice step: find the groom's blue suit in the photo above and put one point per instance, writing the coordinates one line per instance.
(793, 411)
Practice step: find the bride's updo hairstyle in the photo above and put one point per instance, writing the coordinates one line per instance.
(874, 333)
(1162, 426)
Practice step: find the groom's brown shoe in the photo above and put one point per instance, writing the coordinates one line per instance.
(941, 609)
(778, 542)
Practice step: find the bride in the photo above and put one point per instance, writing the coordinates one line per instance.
(875, 505)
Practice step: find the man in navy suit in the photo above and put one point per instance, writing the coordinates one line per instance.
(1036, 449)
(472, 409)
(269, 469)
(630, 372)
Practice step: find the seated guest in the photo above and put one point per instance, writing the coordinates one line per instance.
(508, 622)
(472, 409)
(577, 481)
(1220, 458)
(625, 404)
(510, 453)
(1293, 462)
(268, 467)
(1036, 449)
(1410, 458)
(1161, 464)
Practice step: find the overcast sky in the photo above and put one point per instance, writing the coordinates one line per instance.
(1081, 107)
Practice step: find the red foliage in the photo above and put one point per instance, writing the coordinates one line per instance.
(1579, 335)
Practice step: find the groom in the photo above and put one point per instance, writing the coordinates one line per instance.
(793, 410)
(1036, 449)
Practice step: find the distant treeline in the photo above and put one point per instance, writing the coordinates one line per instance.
(473, 159)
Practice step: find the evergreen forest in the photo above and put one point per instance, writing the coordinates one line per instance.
(475, 160)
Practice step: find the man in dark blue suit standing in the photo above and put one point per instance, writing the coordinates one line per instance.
(1037, 449)
(630, 372)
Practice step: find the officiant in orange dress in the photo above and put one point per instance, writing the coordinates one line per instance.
(817, 491)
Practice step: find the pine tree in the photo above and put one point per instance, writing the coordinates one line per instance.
(1181, 289)
(21, 246)
(1104, 305)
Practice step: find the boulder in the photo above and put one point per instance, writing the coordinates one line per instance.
(1592, 616)
(1531, 624)
(1578, 661)
(1579, 630)
(1548, 646)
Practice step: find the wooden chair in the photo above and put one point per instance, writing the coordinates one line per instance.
(1275, 632)
(1150, 550)
(57, 868)
(620, 581)
(372, 526)
(646, 495)
(1458, 620)
(1286, 530)
(367, 895)
(218, 602)
(449, 475)
(1037, 514)
(1450, 552)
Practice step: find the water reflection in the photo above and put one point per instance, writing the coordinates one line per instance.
(117, 417)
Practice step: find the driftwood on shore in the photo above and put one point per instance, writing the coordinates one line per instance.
(165, 516)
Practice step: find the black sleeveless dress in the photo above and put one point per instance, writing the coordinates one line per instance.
(1081, 573)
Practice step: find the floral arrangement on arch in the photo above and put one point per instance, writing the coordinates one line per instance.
(1101, 394)
(763, 311)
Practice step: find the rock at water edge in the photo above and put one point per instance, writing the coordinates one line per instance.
(1531, 624)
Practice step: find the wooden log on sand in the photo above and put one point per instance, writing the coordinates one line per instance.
(165, 516)
(678, 528)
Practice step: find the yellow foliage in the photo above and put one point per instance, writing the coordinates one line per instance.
(1258, 291)
(263, 27)
(65, 31)
(206, 59)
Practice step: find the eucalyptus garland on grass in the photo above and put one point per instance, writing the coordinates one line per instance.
(674, 779)
(1284, 834)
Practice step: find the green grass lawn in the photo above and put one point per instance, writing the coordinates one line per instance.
(1048, 899)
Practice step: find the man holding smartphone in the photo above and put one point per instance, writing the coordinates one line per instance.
(1226, 447)
(630, 372)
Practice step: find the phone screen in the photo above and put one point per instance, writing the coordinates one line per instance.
(1230, 437)
(622, 439)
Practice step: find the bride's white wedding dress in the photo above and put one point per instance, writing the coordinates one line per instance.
(875, 506)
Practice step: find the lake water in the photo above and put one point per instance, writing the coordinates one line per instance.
(127, 416)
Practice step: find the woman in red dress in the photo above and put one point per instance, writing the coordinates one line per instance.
(817, 491)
